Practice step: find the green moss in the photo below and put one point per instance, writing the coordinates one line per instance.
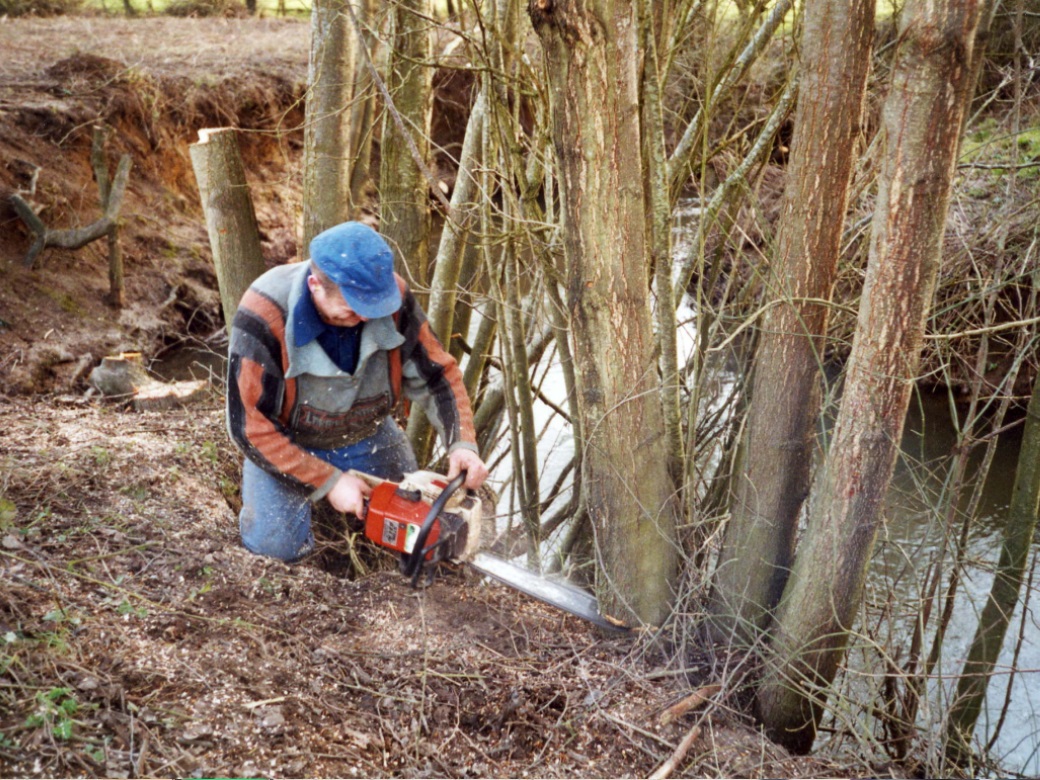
(66, 302)
(989, 144)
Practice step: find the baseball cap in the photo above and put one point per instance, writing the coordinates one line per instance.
(361, 264)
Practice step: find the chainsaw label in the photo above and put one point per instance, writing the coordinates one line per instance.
(410, 532)
(390, 532)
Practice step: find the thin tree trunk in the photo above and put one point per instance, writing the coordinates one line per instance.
(591, 51)
(921, 121)
(404, 210)
(785, 399)
(98, 161)
(659, 220)
(326, 143)
(230, 219)
(362, 113)
(452, 249)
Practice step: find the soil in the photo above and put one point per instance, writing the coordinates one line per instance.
(139, 638)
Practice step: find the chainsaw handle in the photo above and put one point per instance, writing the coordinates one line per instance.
(413, 562)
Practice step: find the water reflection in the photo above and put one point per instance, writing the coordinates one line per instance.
(918, 540)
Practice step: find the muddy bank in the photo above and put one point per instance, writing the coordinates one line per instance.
(151, 99)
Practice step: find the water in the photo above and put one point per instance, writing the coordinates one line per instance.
(915, 535)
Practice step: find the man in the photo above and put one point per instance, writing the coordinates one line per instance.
(321, 354)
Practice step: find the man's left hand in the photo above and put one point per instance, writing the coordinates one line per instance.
(467, 460)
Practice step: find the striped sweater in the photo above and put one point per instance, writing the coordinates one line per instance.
(279, 393)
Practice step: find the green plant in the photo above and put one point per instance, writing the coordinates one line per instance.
(38, 7)
(8, 512)
(102, 457)
(126, 608)
(135, 492)
(228, 488)
(210, 452)
(55, 711)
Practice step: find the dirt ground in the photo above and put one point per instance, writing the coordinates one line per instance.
(138, 638)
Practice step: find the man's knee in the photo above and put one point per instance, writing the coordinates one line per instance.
(286, 539)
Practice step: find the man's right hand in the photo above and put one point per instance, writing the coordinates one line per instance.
(349, 494)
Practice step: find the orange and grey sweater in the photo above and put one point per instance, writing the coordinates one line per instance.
(285, 400)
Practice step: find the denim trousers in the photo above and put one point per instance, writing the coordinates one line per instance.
(276, 517)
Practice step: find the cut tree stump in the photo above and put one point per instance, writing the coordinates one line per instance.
(230, 219)
(123, 378)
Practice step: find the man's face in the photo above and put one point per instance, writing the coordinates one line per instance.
(331, 306)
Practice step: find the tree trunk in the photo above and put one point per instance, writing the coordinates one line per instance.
(785, 401)
(326, 142)
(921, 121)
(443, 294)
(593, 70)
(230, 219)
(404, 200)
(362, 112)
(659, 222)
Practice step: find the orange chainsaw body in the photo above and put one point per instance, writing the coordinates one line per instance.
(396, 513)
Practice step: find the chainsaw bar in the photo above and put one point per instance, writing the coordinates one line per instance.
(555, 593)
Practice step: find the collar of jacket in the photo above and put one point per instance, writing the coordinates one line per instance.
(376, 335)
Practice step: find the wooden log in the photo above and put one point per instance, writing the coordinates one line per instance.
(230, 219)
(120, 375)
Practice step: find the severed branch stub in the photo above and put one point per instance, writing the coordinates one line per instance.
(77, 238)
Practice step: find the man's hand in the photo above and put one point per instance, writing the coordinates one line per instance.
(467, 460)
(349, 494)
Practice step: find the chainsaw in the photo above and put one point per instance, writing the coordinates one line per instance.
(427, 521)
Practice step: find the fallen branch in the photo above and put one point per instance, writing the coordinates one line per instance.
(669, 766)
(694, 700)
(74, 238)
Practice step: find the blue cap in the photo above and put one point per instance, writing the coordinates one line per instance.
(361, 264)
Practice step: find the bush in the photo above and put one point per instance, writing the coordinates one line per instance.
(225, 8)
(39, 7)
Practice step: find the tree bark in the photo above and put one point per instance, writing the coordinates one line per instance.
(593, 70)
(230, 219)
(785, 400)
(659, 222)
(404, 210)
(921, 121)
(326, 142)
(362, 111)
